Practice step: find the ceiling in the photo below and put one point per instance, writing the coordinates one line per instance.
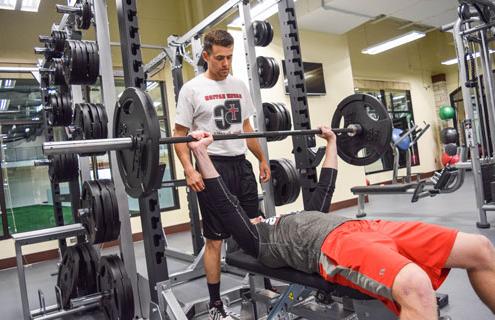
(340, 16)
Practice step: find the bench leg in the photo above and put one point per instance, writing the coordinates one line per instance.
(361, 213)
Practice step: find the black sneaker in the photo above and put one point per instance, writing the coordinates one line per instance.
(217, 312)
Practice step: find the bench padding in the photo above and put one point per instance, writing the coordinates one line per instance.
(246, 262)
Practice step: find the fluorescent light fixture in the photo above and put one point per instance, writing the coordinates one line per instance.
(394, 42)
(261, 11)
(150, 85)
(7, 83)
(455, 60)
(30, 5)
(7, 4)
(4, 104)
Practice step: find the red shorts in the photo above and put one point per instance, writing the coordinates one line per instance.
(367, 255)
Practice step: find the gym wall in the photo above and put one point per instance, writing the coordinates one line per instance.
(414, 64)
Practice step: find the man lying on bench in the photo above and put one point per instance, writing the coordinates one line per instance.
(399, 263)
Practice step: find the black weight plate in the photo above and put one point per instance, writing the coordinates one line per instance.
(129, 296)
(94, 219)
(288, 124)
(58, 40)
(51, 111)
(258, 33)
(263, 72)
(272, 118)
(102, 113)
(82, 63)
(86, 49)
(87, 122)
(84, 20)
(264, 34)
(120, 304)
(280, 181)
(95, 121)
(112, 211)
(275, 72)
(58, 72)
(95, 259)
(94, 66)
(108, 212)
(139, 168)
(269, 35)
(63, 168)
(290, 184)
(66, 109)
(86, 283)
(69, 52)
(282, 120)
(78, 123)
(296, 187)
(368, 146)
(68, 273)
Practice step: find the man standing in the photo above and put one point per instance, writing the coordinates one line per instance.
(219, 103)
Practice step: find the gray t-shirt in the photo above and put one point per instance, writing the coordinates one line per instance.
(219, 107)
(295, 239)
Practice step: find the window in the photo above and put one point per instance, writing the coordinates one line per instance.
(399, 106)
(25, 191)
(168, 197)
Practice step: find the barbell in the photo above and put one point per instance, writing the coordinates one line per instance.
(361, 123)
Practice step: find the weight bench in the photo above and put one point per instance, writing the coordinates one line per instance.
(299, 298)
(363, 191)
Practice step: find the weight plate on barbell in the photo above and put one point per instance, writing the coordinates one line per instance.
(368, 146)
(139, 167)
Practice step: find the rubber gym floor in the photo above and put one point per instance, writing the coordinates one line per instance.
(453, 210)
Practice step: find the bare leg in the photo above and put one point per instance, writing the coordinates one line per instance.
(212, 260)
(476, 254)
(413, 291)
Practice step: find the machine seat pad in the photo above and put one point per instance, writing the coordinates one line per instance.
(392, 188)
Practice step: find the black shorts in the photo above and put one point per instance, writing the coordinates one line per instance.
(237, 174)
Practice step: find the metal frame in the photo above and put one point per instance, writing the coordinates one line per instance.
(470, 127)
(31, 237)
(153, 235)
(255, 90)
(306, 160)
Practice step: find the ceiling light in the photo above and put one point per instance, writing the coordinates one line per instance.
(4, 104)
(261, 12)
(394, 42)
(30, 5)
(455, 60)
(7, 4)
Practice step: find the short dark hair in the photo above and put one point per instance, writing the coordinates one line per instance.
(217, 37)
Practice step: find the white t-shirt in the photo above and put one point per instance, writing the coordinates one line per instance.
(219, 107)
